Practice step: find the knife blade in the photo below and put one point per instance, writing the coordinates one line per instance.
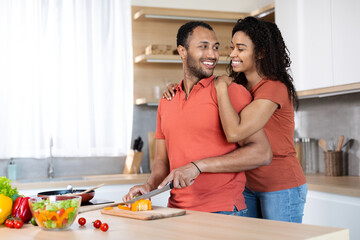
(152, 193)
(144, 196)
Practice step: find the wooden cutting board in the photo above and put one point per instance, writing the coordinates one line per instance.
(155, 213)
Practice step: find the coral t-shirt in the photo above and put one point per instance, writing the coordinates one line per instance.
(284, 171)
(192, 130)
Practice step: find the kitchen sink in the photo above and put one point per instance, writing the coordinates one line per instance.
(58, 179)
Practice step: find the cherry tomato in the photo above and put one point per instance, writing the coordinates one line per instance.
(9, 223)
(18, 223)
(82, 221)
(104, 227)
(97, 223)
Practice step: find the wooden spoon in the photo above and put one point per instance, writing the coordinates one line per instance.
(322, 144)
(86, 191)
(340, 143)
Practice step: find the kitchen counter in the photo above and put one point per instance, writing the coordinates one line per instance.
(342, 185)
(193, 225)
(80, 181)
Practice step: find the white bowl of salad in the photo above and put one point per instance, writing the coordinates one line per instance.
(55, 212)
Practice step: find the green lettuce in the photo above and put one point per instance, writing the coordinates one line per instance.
(7, 190)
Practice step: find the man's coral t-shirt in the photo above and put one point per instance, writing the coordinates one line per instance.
(192, 130)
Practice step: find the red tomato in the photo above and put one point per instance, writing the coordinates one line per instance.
(97, 223)
(60, 212)
(18, 223)
(82, 221)
(9, 223)
(65, 221)
(104, 227)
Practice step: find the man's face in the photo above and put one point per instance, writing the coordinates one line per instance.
(202, 52)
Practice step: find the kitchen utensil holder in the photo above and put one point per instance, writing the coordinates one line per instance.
(308, 154)
(333, 163)
(133, 162)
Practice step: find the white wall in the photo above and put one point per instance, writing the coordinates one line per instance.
(224, 5)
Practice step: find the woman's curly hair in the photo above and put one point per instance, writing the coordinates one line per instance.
(271, 54)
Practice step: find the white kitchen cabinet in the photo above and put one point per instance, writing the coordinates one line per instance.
(286, 17)
(333, 210)
(345, 40)
(315, 44)
(322, 37)
(306, 28)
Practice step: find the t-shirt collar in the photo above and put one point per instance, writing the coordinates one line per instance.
(205, 82)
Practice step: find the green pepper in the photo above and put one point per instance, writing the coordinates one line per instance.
(33, 221)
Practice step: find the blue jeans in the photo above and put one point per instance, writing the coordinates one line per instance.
(236, 212)
(285, 205)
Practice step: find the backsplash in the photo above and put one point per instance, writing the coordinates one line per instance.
(37, 168)
(331, 117)
(144, 122)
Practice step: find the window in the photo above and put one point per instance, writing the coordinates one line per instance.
(66, 72)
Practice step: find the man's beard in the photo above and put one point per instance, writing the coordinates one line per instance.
(197, 71)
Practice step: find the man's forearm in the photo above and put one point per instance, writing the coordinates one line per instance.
(251, 154)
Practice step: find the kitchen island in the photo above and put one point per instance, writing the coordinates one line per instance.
(193, 225)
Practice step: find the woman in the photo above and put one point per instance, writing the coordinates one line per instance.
(259, 61)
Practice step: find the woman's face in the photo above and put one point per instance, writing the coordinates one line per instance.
(242, 53)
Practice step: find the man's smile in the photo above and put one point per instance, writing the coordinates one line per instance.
(209, 63)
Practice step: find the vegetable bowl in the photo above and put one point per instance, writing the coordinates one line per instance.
(55, 212)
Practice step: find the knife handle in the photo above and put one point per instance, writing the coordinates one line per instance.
(171, 185)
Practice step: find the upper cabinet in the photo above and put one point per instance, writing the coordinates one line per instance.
(345, 24)
(156, 28)
(322, 42)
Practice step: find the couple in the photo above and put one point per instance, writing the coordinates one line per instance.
(210, 131)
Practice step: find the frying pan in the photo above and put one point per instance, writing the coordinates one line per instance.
(85, 197)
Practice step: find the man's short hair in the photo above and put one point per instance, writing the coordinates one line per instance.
(186, 30)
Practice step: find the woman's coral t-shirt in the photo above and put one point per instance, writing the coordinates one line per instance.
(284, 171)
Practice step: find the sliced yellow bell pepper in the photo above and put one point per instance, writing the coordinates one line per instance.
(5, 207)
(141, 205)
(123, 207)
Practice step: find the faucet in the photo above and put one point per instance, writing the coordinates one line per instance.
(50, 161)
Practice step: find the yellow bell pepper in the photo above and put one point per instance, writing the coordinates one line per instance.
(5, 207)
(141, 205)
(123, 207)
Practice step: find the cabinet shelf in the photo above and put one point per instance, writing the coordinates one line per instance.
(329, 91)
(148, 102)
(170, 59)
(162, 14)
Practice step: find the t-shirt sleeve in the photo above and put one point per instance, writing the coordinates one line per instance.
(239, 96)
(274, 91)
(159, 134)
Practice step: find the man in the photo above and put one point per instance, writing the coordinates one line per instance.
(191, 149)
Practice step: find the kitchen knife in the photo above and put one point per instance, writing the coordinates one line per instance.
(152, 193)
(136, 144)
(141, 143)
(144, 196)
